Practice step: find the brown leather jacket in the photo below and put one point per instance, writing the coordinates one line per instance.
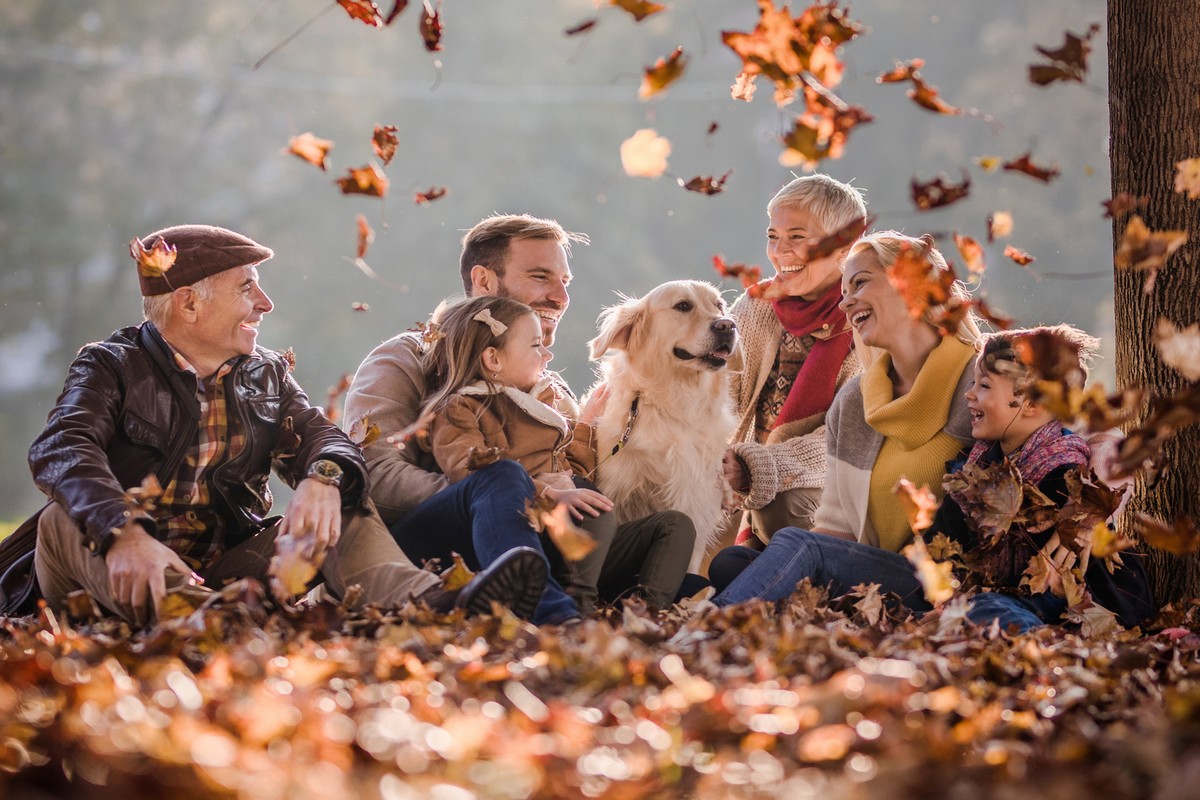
(127, 411)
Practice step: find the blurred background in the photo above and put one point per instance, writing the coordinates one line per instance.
(118, 117)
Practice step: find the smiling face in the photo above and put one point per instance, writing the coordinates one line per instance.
(792, 229)
(524, 356)
(225, 324)
(873, 307)
(537, 274)
(993, 403)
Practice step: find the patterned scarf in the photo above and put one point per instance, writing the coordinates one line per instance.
(813, 389)
(1048, 448)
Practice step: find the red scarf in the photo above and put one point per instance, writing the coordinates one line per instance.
(815, 385)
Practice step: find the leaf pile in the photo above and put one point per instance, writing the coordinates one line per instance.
(810, 701)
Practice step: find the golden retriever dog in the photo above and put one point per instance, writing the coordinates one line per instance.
(668, 417)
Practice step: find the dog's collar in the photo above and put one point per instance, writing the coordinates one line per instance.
(633, 412)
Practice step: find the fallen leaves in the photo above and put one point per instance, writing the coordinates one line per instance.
(311, 148)
(644, 155)
(665, 71)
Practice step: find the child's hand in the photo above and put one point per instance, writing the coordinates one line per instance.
(594, 405)
(581, 501)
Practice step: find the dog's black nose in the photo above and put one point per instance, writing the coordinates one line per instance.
(723, 325)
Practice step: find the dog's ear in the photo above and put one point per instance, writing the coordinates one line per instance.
(616, 325)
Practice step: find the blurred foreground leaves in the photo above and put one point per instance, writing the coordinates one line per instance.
(843, 701)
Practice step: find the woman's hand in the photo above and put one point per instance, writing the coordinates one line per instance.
(735, 472)
(580, 501)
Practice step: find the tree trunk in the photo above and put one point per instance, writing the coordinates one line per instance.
(1154, 107)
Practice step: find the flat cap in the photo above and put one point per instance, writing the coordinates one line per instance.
(184, 254)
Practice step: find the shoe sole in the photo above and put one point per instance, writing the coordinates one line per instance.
(516, 580)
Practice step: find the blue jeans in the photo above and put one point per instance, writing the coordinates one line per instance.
(793, 555)
(481, 517)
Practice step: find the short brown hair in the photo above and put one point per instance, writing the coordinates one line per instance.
(487, 243)
(1001, 354)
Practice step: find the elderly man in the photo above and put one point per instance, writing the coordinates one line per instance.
(525, 258)
(189, 398)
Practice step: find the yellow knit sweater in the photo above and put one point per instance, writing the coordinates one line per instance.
(915, 446)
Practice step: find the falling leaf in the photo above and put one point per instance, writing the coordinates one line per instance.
(362, 10)
(429, 331)
(480, 457)
(1107, 542)
(767, 290)
(997, 319)
(1146, 250)
(1187, 178)
(712, 128)
(1000, 225)
(926, 97)
(1025, 164)
(919, 505)
(572, 542)
(901, 72)
(663, 73)
(640, 9)
(363, 432)
(748, 275)
(1179, 348)
(428, 196)
(331, 397)
(384, 142)
(366, 180)
(1141, 445)
(991, 496)
(1123, 203)
(417, 430)
(311, 148)
(1051, 356)
(1180, 537)
(919, 282)
(988, 163)
(292, 566)
(397, 8)
(817, 136)
(357, 306)
(937, 578)
(644, 155)
(153, 261)
(1067, 63)
(457, 575)
(939, 192)
(972, 253)
(365, 236)
(144, 496)
(431, 26)
(1018, 255)
(844, 236)
(705, 184)
(586, 25)
(743, 87)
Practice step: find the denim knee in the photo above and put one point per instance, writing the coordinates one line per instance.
(506, 472)
(728, 564)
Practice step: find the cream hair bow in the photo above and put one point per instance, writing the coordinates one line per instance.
(485, 316)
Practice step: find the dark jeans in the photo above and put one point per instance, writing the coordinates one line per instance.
(646, 557)
(481, 517)
(742, 574)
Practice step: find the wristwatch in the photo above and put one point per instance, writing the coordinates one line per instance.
(325, 471)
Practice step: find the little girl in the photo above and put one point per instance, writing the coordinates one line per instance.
(492, 397)
(1006, 423)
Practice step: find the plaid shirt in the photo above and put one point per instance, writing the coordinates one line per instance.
(187, 522)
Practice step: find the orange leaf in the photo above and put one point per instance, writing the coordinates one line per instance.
(997, 319)
(419, 428)
(662, 74)
(937, 579)
(1187, 178)
(640, 9)
(366, 180)
(289, 356)
(365, 235)
(644, 155)
(705, 184)
(1025, 164)
(397, 7)
(384, 142)
(1000, 225)
(1121, 204)
(843, 236)
(362, 10)
(926, 97)
(572, 542)
(939, 192)
(431, 26)
(457, 575)
(1143, 249)
(972, 253)
(919, 282)
(1179, 348)
(311, 148)
(153, 261)
(1181, 537)
(331, 397)
(1018, 255)
(743, 87)
(362, 431)
(145, 495)
(901, 72)
(919, 505)
(429, 332)
(429, 195)
(480, 457)
(292, 566)
(749, 276)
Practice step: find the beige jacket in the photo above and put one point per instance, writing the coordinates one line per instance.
(794, 455)
(523, 426)
(388, 390)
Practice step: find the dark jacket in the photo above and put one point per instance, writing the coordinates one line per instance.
(127, 411)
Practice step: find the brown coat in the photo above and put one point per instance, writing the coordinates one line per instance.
(525, 427)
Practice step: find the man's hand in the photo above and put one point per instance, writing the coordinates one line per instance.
(315, 513)
(735, 472)
(136, 566)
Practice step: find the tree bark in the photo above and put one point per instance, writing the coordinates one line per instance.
(1154, 107)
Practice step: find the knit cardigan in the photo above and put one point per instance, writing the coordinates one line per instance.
(794, 455)
(852, 447)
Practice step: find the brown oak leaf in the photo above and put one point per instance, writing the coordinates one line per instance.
(919, 282)
(572, 542)
(1146, 250)
(480, 457)
(1018, 255)
(844, 236)
(926, 97)
(384, 142)
(1067, 63)
(362, 10)
(397, 8)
